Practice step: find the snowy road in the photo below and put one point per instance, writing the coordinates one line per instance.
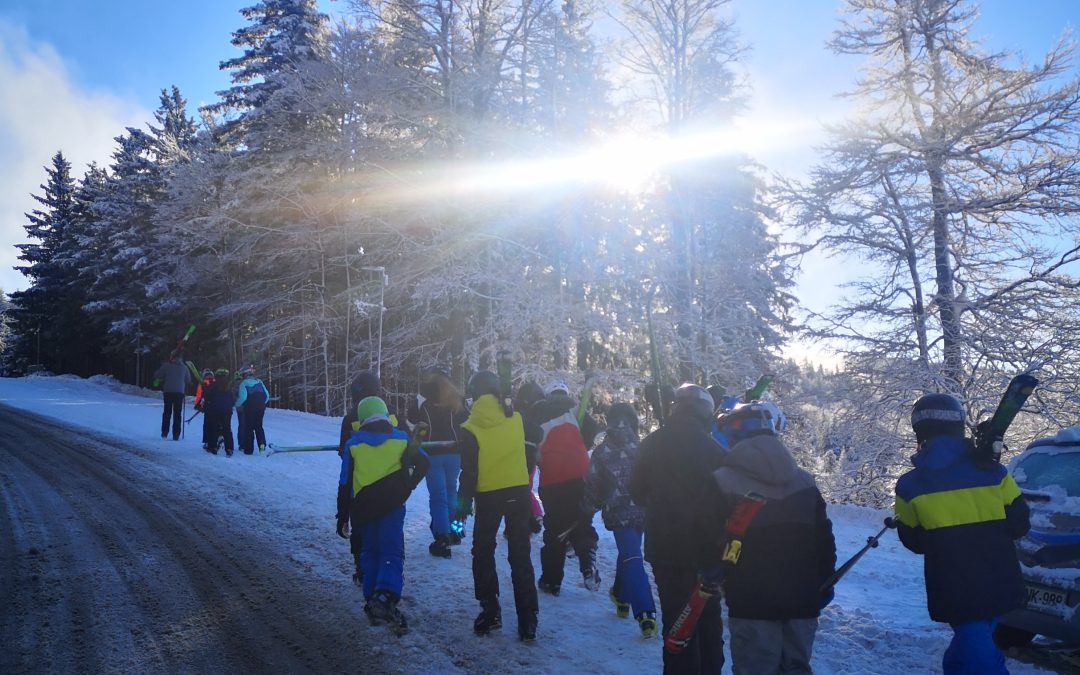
(112, 564)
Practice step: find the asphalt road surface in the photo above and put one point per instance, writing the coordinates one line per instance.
(109, 564)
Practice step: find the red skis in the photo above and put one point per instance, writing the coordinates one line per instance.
(682, 629)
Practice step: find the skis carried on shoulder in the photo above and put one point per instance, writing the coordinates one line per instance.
(990, 433)
(272, 449)
(685, 624)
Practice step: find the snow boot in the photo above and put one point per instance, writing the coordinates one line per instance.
(440, 548)
(647, 624)
(384, 611)
(527, 626)
(548, 587)
(622, 609)
(591, 578)
(455, 538)
(489, 619)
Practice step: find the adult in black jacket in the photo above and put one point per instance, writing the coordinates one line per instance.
(773, 591)
(670, 479)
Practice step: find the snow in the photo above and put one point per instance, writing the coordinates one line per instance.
(877, 623)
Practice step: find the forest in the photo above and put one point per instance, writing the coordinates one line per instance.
(420, 184)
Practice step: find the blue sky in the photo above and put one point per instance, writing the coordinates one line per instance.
(75, 72)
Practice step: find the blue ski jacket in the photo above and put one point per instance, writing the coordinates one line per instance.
(252, 392)
(962, 517)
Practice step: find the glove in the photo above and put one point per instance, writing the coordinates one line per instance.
(461, 514)
(343, 499)
(827, 597)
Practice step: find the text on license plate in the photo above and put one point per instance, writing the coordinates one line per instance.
(1046, 599)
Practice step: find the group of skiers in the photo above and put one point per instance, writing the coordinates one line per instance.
(216, 396)
(680, 489)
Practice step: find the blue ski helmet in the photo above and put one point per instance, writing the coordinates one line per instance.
(744, 421)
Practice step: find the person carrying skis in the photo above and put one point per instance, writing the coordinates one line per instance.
(204, 384)
(607, 487)
(495, 473)
(251, 399)
(564, 459)
(670, 479)
(175, 378)
(773, 589)
(962, 515)
(441, 407)
(218, 402)
(379, 470)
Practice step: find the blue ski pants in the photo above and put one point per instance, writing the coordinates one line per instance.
(972, 650)
(441, 478)
(383, 555)
(631, 580)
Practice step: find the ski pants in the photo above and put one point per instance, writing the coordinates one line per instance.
(704, 654)
(562, 513)
(441, 480)
(631, 580)
(491, 507)
(219, 425)
(383, 555)
(174, 405)
(972, 650)
(763, 647)
(251, 429)
(206, 438)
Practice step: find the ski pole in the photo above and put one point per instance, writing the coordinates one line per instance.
(871, 542)
(192, 417)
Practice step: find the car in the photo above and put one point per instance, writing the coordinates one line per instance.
(1048, 473)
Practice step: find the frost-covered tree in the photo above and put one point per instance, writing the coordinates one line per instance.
(959, 186)
(48, 322)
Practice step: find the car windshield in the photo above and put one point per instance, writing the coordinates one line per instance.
(1039, 471)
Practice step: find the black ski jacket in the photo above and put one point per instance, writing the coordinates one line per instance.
(788, 550)
(671, 476)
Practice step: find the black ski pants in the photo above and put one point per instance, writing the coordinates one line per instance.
(704, 654)
(251, 429)
(219, 425)
(491, 507)
(562, 513)
(174, 403)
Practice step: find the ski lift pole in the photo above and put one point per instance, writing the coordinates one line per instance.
(871, 542)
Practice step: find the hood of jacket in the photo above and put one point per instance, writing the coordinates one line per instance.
(941, 452)
(487, 412)
(763, 458)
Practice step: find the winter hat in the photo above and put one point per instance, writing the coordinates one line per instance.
(556, 385)
(222, 372)
(372, 409)
(693, 400)
(206, 372)
(484, 382)
(527, 394)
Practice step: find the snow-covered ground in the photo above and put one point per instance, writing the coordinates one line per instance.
(877, 624)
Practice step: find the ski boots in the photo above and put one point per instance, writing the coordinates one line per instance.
(382, 610)
(548, 587)
(489, 619)
(622, 609)
(647, 624)
(527, 626)
(591, 578)
(440, 548)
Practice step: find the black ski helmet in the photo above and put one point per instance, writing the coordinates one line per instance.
(744, 421)
(693, 400)
(366, 383)
(937, 415)
(483, 382)
(527, 394)
(621, 412)
(718, 395)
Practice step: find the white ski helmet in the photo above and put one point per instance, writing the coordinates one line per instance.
(778, 417)
(556, 385)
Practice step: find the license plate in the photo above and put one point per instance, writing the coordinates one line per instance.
(1047, 600)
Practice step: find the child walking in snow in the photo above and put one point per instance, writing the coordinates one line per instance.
(607, 487)
(379, 470)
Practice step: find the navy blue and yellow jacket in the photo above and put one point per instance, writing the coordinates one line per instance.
(962, 517)
(381, 470)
